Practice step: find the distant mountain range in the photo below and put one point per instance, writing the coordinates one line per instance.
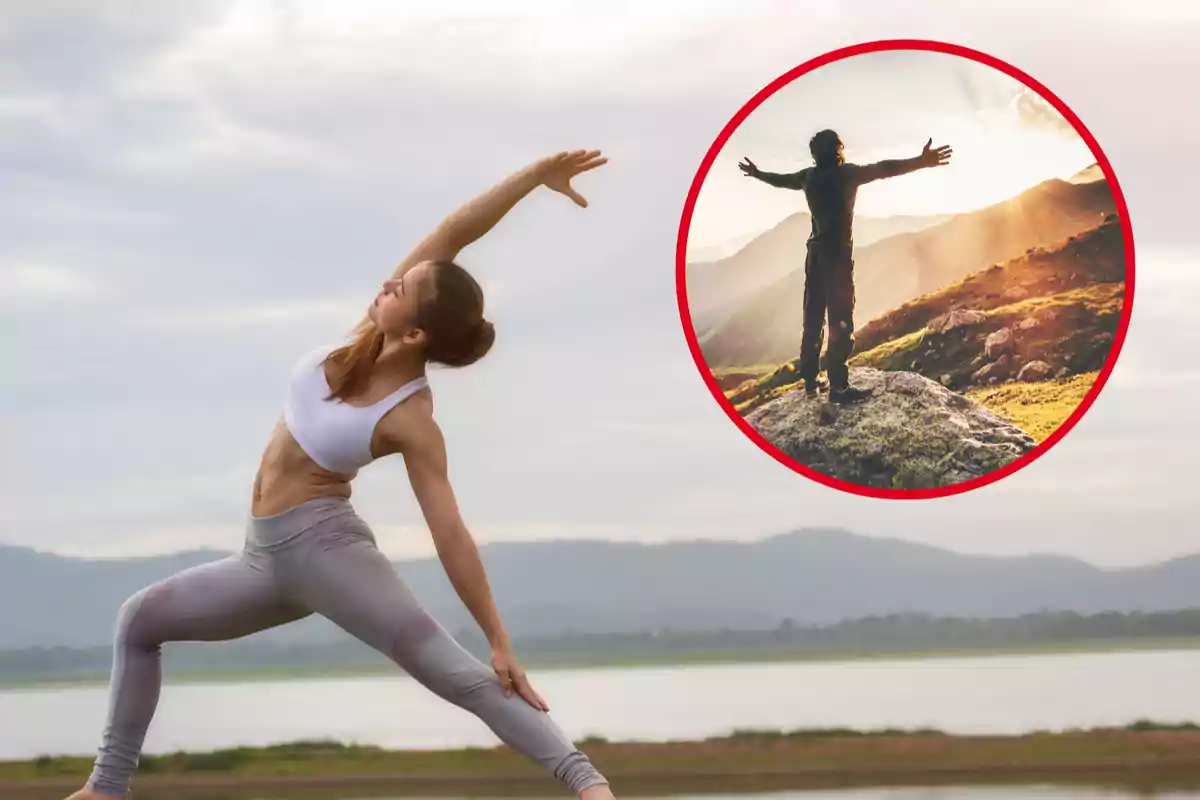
(718, 276)
(1088, 174)
(748, 306)
(715, 252)
(814, 576)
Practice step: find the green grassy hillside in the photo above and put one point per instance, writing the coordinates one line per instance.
(1036, 408)
(1093, 258)
(1062, 305)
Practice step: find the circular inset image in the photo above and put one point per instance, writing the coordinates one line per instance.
(905, 269)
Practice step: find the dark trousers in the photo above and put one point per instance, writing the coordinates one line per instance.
(828, 291)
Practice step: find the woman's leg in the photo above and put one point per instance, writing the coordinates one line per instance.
(343, 576)
(225, 599)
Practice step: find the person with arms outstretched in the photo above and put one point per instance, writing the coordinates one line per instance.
(306, 551)
(830, 187)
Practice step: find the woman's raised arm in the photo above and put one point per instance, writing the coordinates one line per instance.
(478, 216)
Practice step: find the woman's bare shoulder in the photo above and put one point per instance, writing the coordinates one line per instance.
(409, 424)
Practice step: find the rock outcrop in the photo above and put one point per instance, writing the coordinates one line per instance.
(957, 318)
(999, 370)
(999, 343)
(1035, 371)
(912, 433)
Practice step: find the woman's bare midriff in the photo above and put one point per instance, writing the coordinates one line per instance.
(287, 476)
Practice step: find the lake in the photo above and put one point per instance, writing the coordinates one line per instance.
(951, 793)
(922, 793)
(998, 694)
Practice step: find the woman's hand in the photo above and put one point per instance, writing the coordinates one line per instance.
(513, 678)
(557, 171)
(748, 168)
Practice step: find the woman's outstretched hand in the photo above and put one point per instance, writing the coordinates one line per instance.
(557, 171)
(514, 679)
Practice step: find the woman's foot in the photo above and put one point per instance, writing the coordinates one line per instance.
(597, 792)
(88, 793)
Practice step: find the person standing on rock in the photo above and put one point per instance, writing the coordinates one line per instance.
(830, 187)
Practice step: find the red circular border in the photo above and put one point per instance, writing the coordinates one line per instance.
(681, 267)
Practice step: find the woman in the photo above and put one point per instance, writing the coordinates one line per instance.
(306, 550)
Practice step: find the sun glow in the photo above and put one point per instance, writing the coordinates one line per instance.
(994, 159)
(1006, 139)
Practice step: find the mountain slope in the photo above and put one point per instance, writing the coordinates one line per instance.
(1088, 174)
(1059, 307)
(700, 254)
(715, 287)
(766, 327)
(813, 576)
(1073, 289)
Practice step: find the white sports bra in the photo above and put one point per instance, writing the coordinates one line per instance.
(335, 435)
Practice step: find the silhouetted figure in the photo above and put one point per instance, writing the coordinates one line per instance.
(830, 187)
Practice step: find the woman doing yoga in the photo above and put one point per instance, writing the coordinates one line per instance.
(306, 551)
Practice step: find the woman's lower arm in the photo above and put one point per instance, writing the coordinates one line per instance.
(479, 215)
(464, 567)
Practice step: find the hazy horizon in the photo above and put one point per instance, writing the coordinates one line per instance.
(198, 196)
(233, 546)
(762, 227)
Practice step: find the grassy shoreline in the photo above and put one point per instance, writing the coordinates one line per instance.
(650, 661)
(1141, 755)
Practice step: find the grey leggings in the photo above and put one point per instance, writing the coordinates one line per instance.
(318, 557)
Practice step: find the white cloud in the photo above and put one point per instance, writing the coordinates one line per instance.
(1034, 110)
(256, 180)
(44, 109)
(27, 282)
(294, 314)
(884, 105)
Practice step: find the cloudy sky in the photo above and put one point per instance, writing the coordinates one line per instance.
(196, 194)
(1005, 136)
